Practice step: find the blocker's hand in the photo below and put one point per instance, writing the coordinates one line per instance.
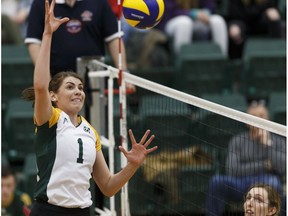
(139, 150)
(51, 22)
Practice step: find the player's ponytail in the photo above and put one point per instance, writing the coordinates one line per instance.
(28, 94)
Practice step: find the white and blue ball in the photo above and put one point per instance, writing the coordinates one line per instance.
(143, 14)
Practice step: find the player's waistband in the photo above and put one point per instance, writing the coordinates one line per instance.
(67, 211)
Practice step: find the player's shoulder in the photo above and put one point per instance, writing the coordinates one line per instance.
(84, 120)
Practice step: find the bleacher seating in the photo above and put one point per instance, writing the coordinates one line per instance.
(277, 107)
(17, 121)
(17, 71)
(202, 68)
(161, 75)
(19, 127)
(264, 65)
(29, 174)
(153, 113)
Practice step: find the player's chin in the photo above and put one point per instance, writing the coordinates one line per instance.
(78, 107)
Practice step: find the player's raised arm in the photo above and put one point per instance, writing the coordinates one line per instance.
(43, 107)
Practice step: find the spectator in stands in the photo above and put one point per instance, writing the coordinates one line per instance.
(248, 18)
(262, 199)
(186, 21)
(13, 201)
(255, 156)
(14, 16)
(92, 25)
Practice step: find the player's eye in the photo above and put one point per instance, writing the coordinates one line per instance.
(81, 88)
(248, 197)
(258, 199)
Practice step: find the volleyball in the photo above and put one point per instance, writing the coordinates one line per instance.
(143, 14)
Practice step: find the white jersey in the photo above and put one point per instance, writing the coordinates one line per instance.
(65, 157)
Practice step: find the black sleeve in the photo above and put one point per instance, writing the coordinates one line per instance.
(36, 20)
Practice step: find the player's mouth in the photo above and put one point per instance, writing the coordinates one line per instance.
(249, 212)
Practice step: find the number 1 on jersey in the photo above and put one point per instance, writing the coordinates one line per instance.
(80, 158)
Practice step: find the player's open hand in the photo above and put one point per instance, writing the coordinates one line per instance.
(51, 22)
(139, 150)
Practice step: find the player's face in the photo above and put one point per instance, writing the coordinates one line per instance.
(257, 203)
(70, 97)
(8, 185)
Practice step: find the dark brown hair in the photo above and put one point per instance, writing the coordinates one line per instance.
(54, 84)
(6, 171)
(273, 196)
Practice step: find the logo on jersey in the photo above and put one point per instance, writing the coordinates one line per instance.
(86, 129)
(74, 26)
(65, 120)
(86, 16)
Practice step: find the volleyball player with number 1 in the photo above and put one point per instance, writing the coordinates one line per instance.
(68, 148)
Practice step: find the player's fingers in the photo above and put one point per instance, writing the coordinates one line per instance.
(132, 138)
(144, 138)
(151, 149)
(52, 6)
(63, 20)
(123, 150)
(147, 143)
(46, 7)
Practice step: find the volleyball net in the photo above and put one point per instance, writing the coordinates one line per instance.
(192, 135)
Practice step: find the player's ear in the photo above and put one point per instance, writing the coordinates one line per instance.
(53, 96)
(272, 211)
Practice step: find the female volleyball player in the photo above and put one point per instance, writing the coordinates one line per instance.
(262, 200)
(68, 149)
